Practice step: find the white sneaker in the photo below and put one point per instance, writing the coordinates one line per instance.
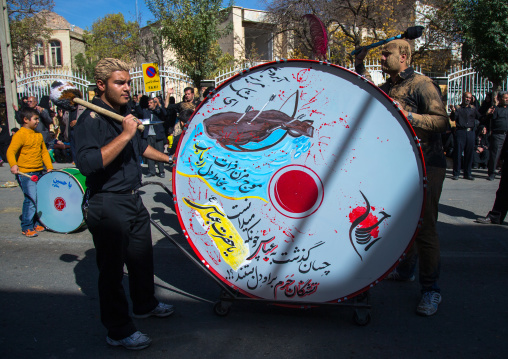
(429, 303)
(136, 341)
(161, 310)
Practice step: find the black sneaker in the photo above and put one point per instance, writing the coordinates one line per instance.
(161, 175)
(149, 175)
(136, 341)
(455, 178)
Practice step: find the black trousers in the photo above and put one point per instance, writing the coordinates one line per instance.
(501, 202)
(496, 145)
(481, 158)
(159, 146)
(3, 151)
(120, 226)
(464, 141)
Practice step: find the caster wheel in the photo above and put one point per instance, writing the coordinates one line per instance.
(361, 318)
(221, 309)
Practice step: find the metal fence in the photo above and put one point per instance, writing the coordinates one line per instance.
(38, 83)
(466, 79)
(170, 78)
(227, 73)
(373, 66)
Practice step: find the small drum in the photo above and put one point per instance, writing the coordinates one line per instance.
(299, 181)
(59, 197)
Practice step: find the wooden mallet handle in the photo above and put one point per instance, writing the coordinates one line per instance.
(34, 178)
(102, 111)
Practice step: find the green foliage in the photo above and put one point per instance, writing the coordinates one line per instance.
(112, 36)
(85, 65)
(27, 28)
(192, 29)
(349, 23)
(484, 25)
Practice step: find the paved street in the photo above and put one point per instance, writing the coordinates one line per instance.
(49, 302)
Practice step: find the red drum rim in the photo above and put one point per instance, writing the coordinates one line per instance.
(310, 64)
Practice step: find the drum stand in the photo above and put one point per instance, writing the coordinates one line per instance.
(360, 303)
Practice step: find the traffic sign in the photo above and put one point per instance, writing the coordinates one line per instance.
(151, 77)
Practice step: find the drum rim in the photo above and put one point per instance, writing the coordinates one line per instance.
(415, 141)
(82, 191)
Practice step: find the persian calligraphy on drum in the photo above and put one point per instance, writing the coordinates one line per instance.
(299, 181)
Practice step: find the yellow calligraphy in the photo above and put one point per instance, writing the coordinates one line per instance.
(221, 230)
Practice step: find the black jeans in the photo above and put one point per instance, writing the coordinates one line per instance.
(120, 226)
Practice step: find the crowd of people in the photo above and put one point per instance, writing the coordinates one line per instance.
(109, 154)
(478, 135)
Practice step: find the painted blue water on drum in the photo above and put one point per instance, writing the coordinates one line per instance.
(238, 174)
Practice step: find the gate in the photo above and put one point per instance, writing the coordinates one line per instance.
(170, 78)
(466, 79)
(38, 83)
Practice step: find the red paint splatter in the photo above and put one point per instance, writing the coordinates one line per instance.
(367, 222)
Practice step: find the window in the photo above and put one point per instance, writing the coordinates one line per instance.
(39, 55)
(56, 53)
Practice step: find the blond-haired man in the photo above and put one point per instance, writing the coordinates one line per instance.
(108, 155)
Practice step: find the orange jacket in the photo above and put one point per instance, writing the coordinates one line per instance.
(28, 151)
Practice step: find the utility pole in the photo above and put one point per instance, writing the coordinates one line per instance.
(11, 95)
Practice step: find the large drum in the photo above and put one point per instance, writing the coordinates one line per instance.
(59, 197)
(299, 181)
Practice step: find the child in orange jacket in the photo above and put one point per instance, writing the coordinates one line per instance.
(27, 153)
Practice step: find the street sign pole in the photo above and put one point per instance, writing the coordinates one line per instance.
(8, 65)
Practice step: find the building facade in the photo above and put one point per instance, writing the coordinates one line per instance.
(252, 37)
(59, 51)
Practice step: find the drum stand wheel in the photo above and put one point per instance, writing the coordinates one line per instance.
(361, 315)
(222, 308)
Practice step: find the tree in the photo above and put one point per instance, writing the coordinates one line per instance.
(441, 36)
(350, 23)
(112, 36)
(484, 25)
(192, 28)
(27, 28)
(85, 65)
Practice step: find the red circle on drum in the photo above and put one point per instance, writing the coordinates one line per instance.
(59, 203)
(296, 191)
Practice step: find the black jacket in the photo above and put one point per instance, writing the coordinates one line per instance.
(94, 131)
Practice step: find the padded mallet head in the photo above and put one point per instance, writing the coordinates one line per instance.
(413, 32)
(63, 94)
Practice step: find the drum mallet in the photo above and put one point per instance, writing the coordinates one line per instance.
(411, 33)
(34, 178)
(66, 96)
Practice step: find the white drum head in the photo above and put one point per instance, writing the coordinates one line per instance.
(299, 181)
